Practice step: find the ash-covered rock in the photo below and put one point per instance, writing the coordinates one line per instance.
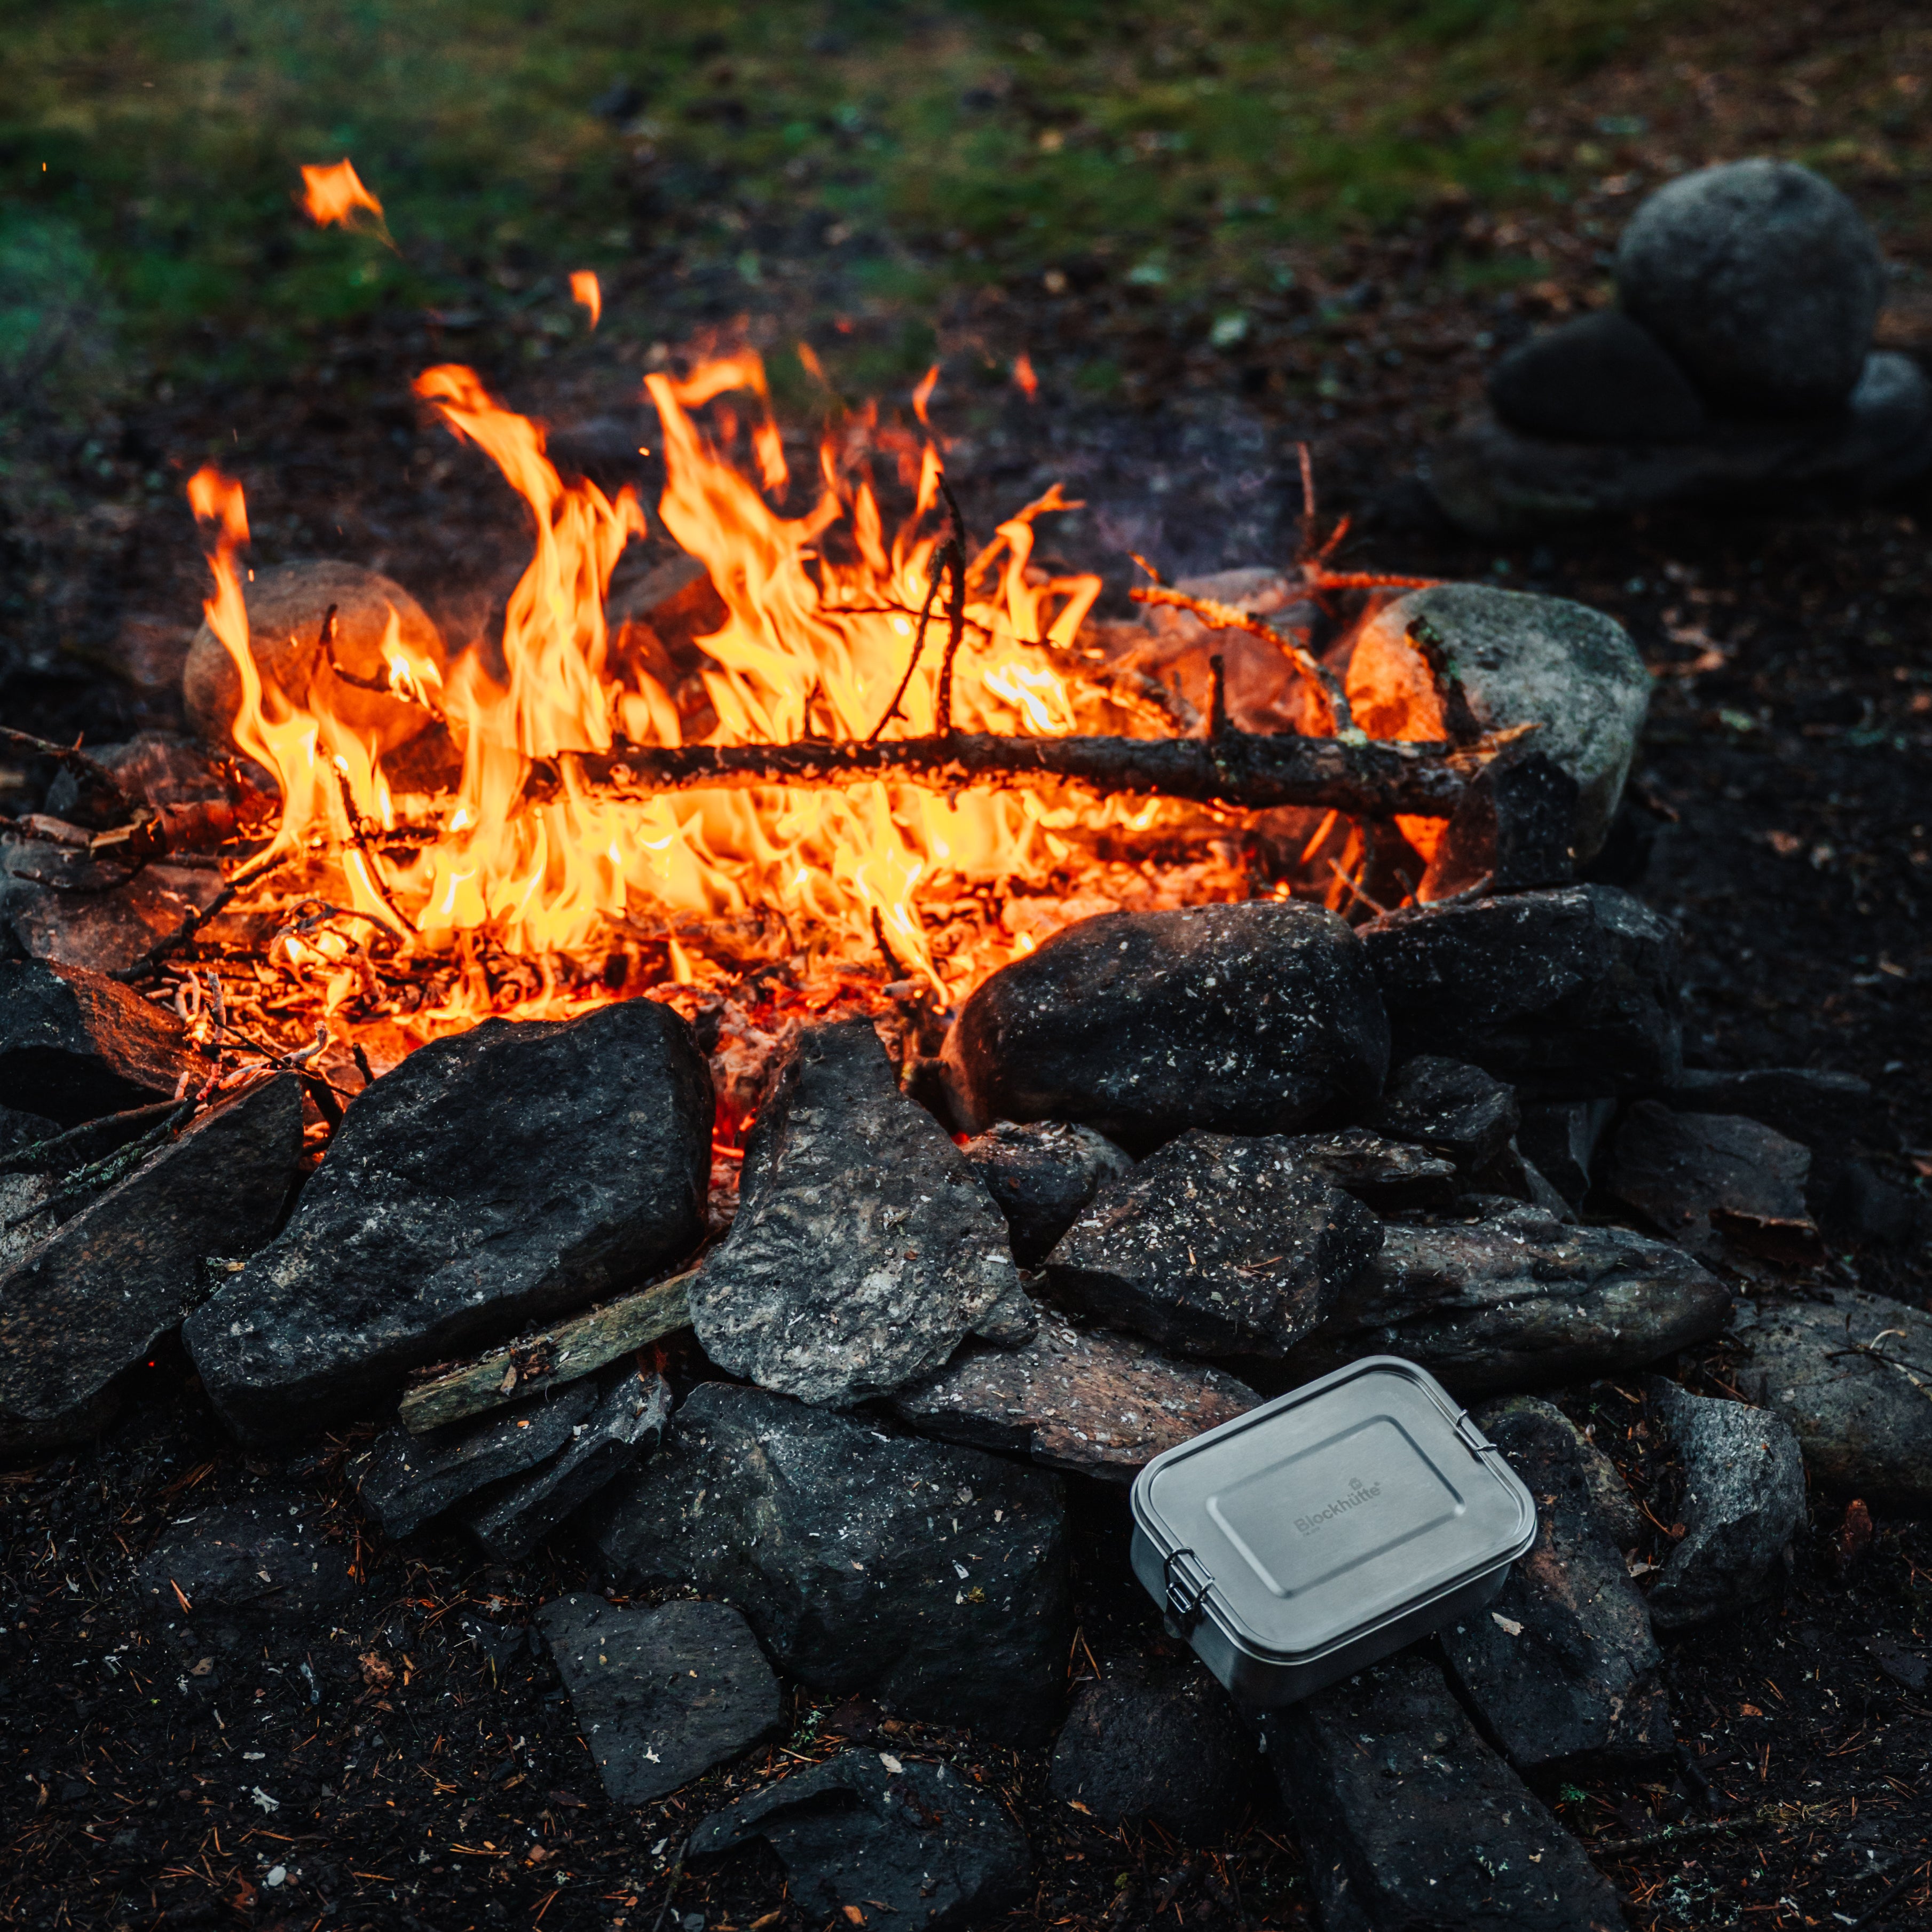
(1560, 1666)
(1410, 1820)
(1519, 659)
(867, 1832)
(1453, 1109)
(75, 1044)
(1216, 1245)
(1085, 1400)
(932, 1576)
(88, 1301)
(1040, 1174)
(1567, 992)
(1388, 1175)
(1719, 1184)
(413, 1479)
(1160, 1742)
(505, 1175)
(865, 1249)
(1561, 1137)
(1743, 1502)
(661, 1696)
(1254, 1018)
(1518, 1299)
(632, 1409)
(1848, 1373)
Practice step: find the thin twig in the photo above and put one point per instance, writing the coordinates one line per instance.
(955, 628)
(937, 572)
(150, 961)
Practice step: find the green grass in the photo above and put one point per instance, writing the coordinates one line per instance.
(1185, 149)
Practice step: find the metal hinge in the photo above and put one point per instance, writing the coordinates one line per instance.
(1473, 1437)
(1188, 1583)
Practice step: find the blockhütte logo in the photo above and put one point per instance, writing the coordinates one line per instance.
(1359, 1493)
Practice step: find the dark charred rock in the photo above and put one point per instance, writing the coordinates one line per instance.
(1162, 1743)
(1561, 1137)
(868, 1831)
(1085, 1400)
(1566, 993)
(75, 1044)
(1216, 1245)
(1411, 1821)
(1600, 378)
(633, 1407)
(844, 1546)
(265, 1559)
(1560, 1667)
(19, 1131)
(1389, 1176)
(1518, 1299)
(1255, 1018)
(413, 1479)
(1830, 1113)
(505, 1175)
(88, 1301)
(1848, 1373)
(1743, 1502)
(661, 1696)
(1718, 1184)
(865, 1249)
(1450, 1107)
(1040, 1175)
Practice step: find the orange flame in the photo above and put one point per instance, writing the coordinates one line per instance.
(585, 293)
(333, 193)
(1023, 375)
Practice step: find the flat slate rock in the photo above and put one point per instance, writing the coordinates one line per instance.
(75, 1044)
(1518, 1299)
(1560, 1666)
(1743, 1503)
(1721, 1185)
(1387, 1175)
(1566, 992)
(661, 1696)
(1085, 1400)
(87, 1302)
(1449, 1107)
(1218, 1244)
(865, 1249)
(932, 1576)
(1848, 1373)
(866, 1834)
(1040, 1174)
(632, 1409)
(494, 1179)
(1254, 1018)
(411, 1480)
(262, 1560)
(1160, 1742)
(1410, 1823)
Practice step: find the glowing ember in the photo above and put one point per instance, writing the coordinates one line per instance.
(587, 294)
(333, 194)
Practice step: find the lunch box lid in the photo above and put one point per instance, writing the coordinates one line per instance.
(1317, 1517)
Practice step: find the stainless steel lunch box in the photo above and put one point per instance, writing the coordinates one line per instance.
(1327, 1528)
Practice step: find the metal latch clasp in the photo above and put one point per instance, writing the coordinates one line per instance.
(1187, 1583)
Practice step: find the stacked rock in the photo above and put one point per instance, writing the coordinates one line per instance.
(1738, 359)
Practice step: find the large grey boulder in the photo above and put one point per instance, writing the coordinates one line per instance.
(74, 1044)
(865, 1249)
(1520, 659)
(661, 1696)
(1218, 1244)
(1761, 278)
(1081, 1399)
(1412, 1824)
(1743, 1502)
(86, 1303)
(514, 1172)
(1518, 1299)
(931, 1577)
(1848, 1371)
(1566, 992)
(1560, 1666)
(1254, 1018)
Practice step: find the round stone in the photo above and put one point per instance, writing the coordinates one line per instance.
(1761, 278)
(1600, 378)
(286, 605)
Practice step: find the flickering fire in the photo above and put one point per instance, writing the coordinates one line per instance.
(587, 293)
(333, 194)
